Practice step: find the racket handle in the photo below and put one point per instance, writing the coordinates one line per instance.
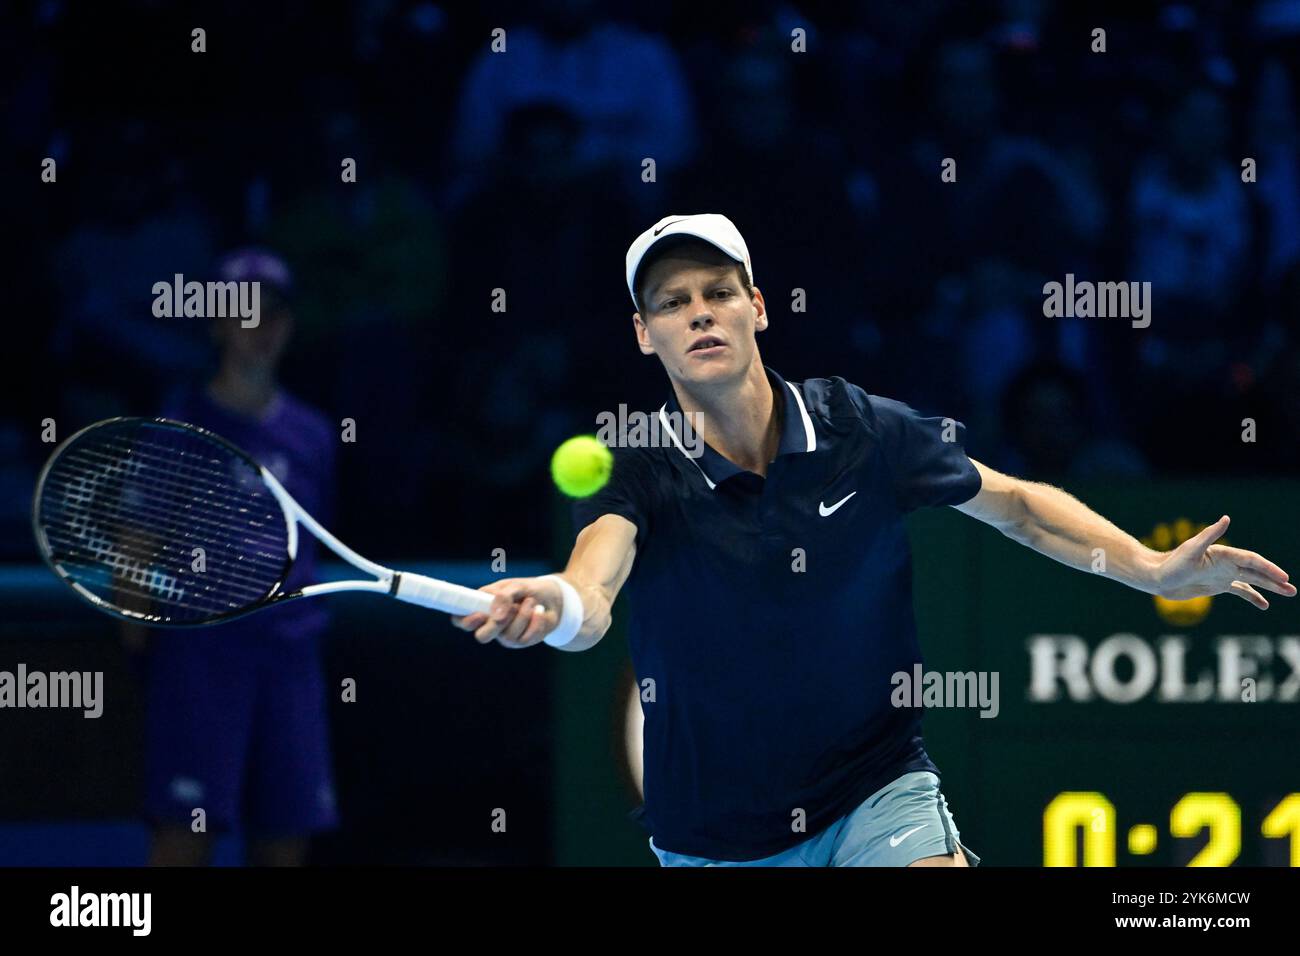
(440, 595)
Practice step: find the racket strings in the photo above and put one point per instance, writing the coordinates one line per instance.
(125, 505)
(178, 517)
(172, 570)
(188, 516)
(92, 555)
(119, 586)
(185, 478)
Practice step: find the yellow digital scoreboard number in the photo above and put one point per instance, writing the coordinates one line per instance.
(1091, 813)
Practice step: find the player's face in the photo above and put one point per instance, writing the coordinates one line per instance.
(699, 320)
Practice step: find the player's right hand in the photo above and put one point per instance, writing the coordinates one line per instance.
(523, 612)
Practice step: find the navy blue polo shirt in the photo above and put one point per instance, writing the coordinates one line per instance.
(770, 614)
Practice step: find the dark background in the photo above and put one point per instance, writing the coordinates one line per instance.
(522, 171)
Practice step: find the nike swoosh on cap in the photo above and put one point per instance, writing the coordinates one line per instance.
(666, 225)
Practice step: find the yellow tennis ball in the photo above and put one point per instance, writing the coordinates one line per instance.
(581, 466)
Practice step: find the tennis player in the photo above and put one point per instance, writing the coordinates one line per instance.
(771, 582)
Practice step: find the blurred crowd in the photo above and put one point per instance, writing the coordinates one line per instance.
(525, 171)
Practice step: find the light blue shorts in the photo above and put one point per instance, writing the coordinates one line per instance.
(900, 823)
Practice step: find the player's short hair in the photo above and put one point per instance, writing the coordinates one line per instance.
(687, 247)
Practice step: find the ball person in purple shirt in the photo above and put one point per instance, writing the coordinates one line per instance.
(236, 730)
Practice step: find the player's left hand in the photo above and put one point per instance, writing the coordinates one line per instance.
(1198, 567)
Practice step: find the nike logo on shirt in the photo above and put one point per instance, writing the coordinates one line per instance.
(827, 512)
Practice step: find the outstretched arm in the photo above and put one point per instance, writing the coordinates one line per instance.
(1060, 526)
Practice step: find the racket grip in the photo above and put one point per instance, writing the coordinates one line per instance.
(440, 595)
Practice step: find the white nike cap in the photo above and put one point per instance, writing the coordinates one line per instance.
(714, 228)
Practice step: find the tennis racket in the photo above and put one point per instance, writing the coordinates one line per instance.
(160, 521)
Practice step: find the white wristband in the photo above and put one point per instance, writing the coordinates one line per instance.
(571, 614)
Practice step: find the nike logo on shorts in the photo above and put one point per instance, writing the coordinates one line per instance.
(894, 841)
